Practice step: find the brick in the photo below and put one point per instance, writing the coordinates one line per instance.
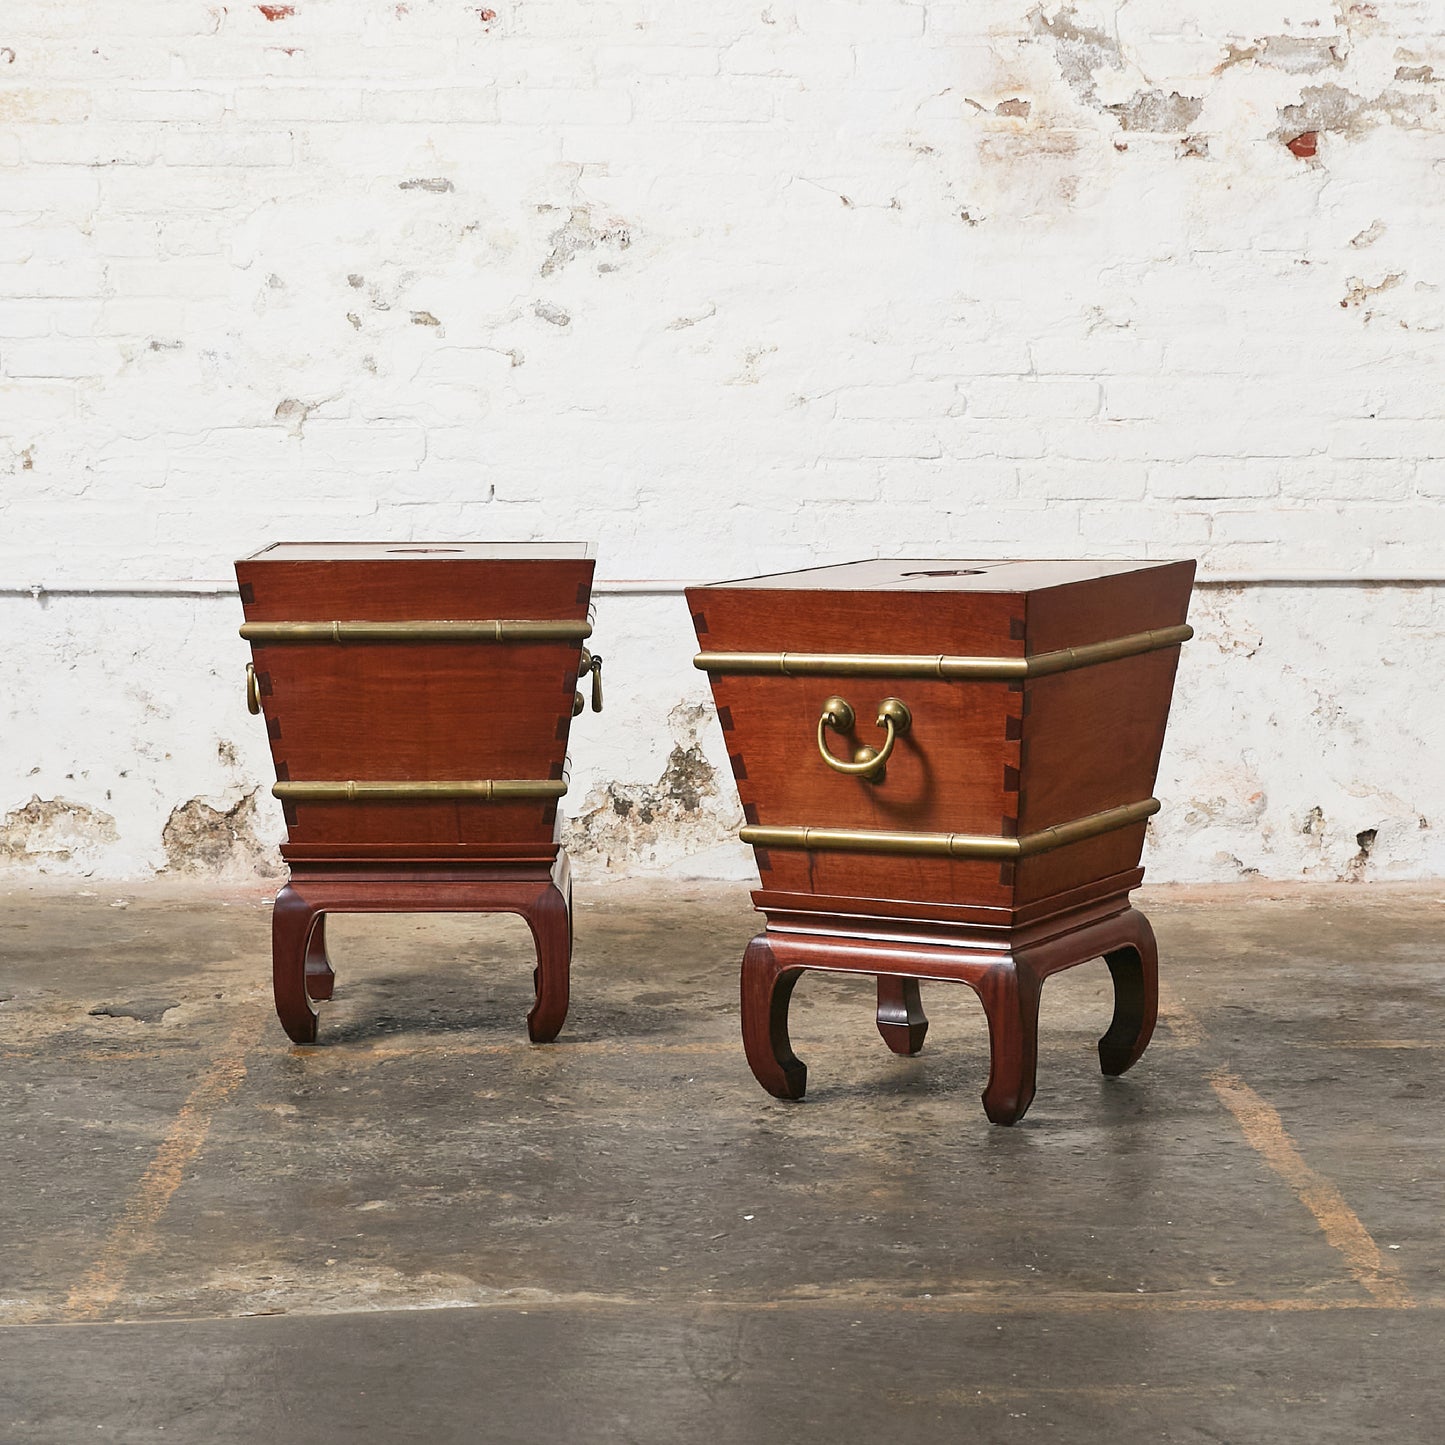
(838, 482)
(44, 106)
(1389, 438)
(909, 400)
(1090, 355)
(197, 277)
(609, 106)
(1083, 481)
(1214, 479)
(51, 192)
(978, 482)
(1032, 396)
(228, 147)
(40, 279)
(466, 366)
(35, 404)
(356, 447)
(1326, 478)
(1109, 530)
(58, 356)
(225, 447)
(170, 106)
(452, 104)
(788, 57)
(44, 317)
(85, 145)
(702, 100)
(860, 20)
(622, 62)
(297, 103)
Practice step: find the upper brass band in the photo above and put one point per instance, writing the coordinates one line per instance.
(495, 630)
(951, 845)
(482, 790)
(974, 669)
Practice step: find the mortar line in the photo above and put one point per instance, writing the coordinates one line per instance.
(134, 1233)
(1266, 1134)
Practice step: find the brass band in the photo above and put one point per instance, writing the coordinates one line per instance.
(497, 630)
(963, 669)
(484, 790)
(950, 845)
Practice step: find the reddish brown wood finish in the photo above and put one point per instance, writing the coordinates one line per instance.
(434, 711)
(991, 758)
(1005, 967)
(301, 971)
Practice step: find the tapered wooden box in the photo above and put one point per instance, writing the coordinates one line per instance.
(418, 699)
(948, 751)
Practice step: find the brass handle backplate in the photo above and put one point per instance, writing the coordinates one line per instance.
(253, 690)
(869, 764)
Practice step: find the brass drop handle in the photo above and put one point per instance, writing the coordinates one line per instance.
(591, 662)
(253, 690)
(868, 763)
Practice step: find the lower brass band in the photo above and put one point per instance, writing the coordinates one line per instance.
(950, 845)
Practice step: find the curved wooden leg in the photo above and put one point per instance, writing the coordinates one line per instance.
(901, 1019)
(767, 988)
(550, 919)
(293, 920)
(1135, 969)
(320, 980)
(1010, 996)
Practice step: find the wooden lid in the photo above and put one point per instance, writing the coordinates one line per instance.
(422, 552)
(942, 575)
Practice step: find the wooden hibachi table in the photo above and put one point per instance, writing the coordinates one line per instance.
(946, 770)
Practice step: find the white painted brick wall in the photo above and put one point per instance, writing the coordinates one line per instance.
(726, 289)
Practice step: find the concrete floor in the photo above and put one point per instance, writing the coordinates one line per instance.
(426, 1228)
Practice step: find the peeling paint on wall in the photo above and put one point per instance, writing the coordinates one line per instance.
(50, 832)
(577, 234)
(1335, 110)
(687, 810)
(1153, 110)
(200, 839)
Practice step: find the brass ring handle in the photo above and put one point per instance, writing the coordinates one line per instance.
(592, 662)
(868, 763)
(253, 690)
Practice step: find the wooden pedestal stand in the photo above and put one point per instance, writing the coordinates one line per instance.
(302, 973)
(1004, 962)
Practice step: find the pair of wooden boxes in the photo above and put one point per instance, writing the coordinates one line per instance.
(945, 768)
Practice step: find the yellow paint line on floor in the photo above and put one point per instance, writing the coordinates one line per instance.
(1182, 1022)
(134, 1233)
(1342, 1227)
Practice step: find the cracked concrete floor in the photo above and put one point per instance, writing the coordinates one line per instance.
(426, 1228)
